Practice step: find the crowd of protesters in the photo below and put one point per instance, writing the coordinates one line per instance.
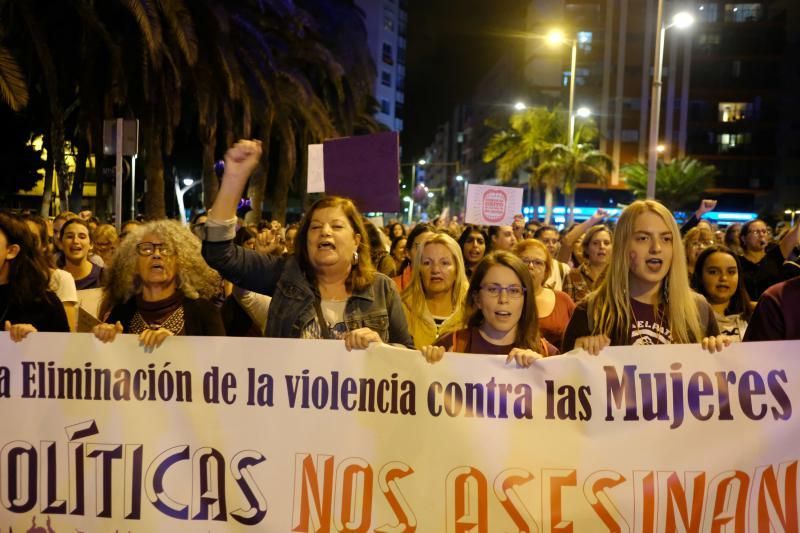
(523, 290)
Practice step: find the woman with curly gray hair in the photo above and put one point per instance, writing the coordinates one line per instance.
(159, 286)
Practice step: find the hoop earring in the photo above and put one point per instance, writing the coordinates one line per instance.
(355, 257)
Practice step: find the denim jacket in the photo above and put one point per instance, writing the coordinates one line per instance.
(377, 307)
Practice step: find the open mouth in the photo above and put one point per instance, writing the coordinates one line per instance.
(654, 264)
(723, 288)
(327, 245)
(502, 315)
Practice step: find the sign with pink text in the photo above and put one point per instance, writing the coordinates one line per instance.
(491, 205)
(279, 435)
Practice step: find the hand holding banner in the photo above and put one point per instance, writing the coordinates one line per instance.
(290, 435)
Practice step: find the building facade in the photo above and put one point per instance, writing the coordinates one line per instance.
(729, 86)
(386, 22)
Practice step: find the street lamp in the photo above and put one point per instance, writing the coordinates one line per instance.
(582, 112)
(558, 37)
(519, 106)
(680, 20)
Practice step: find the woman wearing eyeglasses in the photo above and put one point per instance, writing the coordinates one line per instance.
(501, 315)
(554, 308)
(695, 241)
(761, 263)
(159, 286)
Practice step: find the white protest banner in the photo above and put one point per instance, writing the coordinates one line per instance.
(490, 205)
(277, 435)
(315, 180)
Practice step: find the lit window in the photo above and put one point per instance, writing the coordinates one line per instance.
(386, 78)
(707, 12)
(709, 39)
(734, 111)
(727, 142)
(750, 12)
(585, 41)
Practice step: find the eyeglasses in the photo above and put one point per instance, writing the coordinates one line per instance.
(536, 263)
(149, 248)
(702, 244)
(103, 245)
(514, 292)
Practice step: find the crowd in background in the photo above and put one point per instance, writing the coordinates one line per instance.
(524, 290)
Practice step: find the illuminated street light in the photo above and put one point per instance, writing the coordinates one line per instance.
(430, 195)
(422, 162)
(582, 112)
(519, 106)
(556, 37)
(680, 20)
(459, 178)
(188, 181)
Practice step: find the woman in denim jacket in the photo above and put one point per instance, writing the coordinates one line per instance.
(329, 289)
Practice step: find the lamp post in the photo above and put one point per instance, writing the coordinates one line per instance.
(583, 112)
(680, 20)
(462, 179)
(558, 37)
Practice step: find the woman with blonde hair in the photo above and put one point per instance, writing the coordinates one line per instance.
(435, 295)
(644, 297)
(106, 241)
(695, 241)
(159, 286)
(595, 253)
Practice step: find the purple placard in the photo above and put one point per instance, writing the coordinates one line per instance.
(365, 169)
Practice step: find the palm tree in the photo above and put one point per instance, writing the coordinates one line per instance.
(680, 182)
(521, 146)
(566, 165)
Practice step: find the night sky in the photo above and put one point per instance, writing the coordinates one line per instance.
(451, 43)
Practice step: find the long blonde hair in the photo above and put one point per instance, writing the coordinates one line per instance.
(414, 294)
(610, 303)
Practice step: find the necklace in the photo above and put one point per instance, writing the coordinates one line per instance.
(174, 323)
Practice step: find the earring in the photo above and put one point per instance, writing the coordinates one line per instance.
(355, 257)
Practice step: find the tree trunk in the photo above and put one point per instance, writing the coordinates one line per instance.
(210, 182)
(154, 206)
(537, 200)
(258, 181)
(286, 170)
(47, 190)
(59, 164)
(549, 196)
(102, 188)
(76, 196)
(255, 191)
(570, 201)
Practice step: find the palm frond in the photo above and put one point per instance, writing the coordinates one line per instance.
(13, 88)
